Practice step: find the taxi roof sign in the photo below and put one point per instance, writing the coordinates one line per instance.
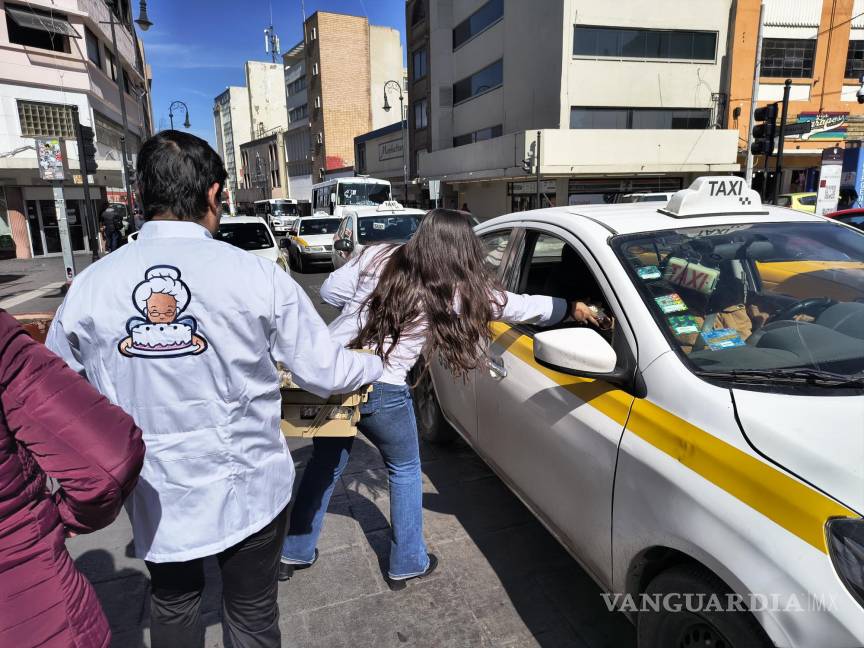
(714, 196)
(390, 205)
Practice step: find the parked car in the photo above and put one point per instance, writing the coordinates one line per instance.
(709, 442)
(310, 241)
(389, 222)
(803, 202)
(853, 217)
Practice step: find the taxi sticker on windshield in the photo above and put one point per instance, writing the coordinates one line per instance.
(379, 226)
(671, 303)
(692, 275)
(683, 324)
(648, 272)
(722, 339)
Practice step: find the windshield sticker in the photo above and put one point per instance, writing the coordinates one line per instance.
(671, 303)
(691, 275)
(683, 324)
(379, 226)
(716, 230)
(647, 273)
(722, 339)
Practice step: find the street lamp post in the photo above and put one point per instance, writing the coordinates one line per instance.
(403, 117)
(178, 104)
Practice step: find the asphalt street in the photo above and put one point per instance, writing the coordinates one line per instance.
(503, 580)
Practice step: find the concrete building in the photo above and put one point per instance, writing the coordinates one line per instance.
(56, 55)
(819, 45)
(233, 127)
(265, 83)
(263, 161)
(379, 154)
(347, 64)
(625, 100)
(298, 144)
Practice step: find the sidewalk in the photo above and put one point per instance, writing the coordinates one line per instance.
(35, 285)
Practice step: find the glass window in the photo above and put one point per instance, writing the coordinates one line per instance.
(855, 59)
(622, 118)
(375, 229)
(478, 135)
(246, 236)
(496, 245)
(420, 114)
(788, 57)
(93, 52)
(486, 79)
(33, 27)
(418, 64)
(483, 18)
(111, 65)
(363, 193)
(313, 226)
(620, 42)
(616, 118)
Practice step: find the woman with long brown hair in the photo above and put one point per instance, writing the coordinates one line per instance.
(432, 296)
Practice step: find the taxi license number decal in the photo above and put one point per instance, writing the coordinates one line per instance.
(719, 339)
(379, 226)
(671, 303)
(648, 272)
(683, 324)
(692, 275)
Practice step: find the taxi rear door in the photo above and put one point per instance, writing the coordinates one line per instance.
(554, 437)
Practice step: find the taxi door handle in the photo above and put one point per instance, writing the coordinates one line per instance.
(497, 368)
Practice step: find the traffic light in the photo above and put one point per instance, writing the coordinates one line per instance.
(764, 130)
(88, 150)
(528, 165)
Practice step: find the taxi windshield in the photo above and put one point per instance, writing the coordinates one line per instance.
(781, 300)
(374, 229)
(363, 193)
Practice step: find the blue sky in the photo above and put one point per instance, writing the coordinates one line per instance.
(197, 47)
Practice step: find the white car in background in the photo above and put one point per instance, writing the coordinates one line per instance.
(310, 241)
(389, 222)
(252, 234)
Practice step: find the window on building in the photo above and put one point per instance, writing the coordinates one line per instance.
(486, 79)
(418, 13)
(620, 42)
(479, 21)
(478, 135)
(37, 28)
(127, 86)
(296, 86)
(855, 59)
(421, 118)
(639, 118)
(361, 157)
(93, 51)
(418, 64)
(45, 120)
(298, 113)
(788, 57)
(110, 65)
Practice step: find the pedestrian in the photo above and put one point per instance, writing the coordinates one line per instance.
(110, 228)
(54, 424)
(431, 296)
(465, 208)
(184, 332)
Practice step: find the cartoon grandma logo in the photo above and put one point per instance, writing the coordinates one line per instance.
(162, 333)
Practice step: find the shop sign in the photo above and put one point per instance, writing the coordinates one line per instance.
(823, 126)
(390, 150)
(828, 192)
(546, 186)
(50, 158)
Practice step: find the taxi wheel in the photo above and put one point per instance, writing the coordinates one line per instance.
(706, 628)
(431, 424)
(299, 265)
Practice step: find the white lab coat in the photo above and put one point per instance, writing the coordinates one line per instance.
(201, 383)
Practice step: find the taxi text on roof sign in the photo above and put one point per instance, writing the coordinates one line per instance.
(390, 205)
(715, 196)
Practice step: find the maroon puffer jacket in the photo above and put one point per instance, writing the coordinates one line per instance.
(52, 422)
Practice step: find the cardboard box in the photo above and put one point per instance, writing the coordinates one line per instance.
(306, 415)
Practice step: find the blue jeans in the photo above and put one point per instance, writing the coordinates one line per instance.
(387, 420)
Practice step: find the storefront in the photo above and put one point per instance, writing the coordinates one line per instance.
(42, 225)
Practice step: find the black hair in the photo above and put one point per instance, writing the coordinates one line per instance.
(175, 171)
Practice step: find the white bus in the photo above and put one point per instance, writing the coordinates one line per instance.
(278, 213)
(332, 196)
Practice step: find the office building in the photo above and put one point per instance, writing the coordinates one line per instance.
(298, 144)
(233, 128)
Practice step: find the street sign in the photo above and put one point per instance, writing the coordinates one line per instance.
(797, 128)
(50, 157)
(434, 189)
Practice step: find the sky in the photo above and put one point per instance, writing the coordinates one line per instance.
(197, 48)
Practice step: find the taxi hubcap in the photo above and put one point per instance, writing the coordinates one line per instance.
(702, 635)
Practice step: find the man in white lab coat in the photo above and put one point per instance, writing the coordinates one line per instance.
(183, 332)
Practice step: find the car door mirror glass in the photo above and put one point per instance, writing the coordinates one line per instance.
(284, 244)
(343, 245)
(575, 350)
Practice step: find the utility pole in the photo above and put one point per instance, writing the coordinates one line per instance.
(757, 72)
(537, 171)
(89, 212)
(778, 171)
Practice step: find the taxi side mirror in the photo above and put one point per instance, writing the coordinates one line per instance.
(343, 245)
(581, 351)
(285, 244)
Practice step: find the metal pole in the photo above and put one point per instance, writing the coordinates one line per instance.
(120, 76)
(402, 124)
(171, 118)
(537, 170)
(89, 213)
(779, 168)
(63, 230)
(757, 72)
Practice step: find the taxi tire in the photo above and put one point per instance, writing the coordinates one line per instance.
(665, 628)
(431, 424)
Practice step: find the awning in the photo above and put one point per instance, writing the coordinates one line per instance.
(32, 20)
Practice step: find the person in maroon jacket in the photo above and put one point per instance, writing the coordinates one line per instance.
(53, 423)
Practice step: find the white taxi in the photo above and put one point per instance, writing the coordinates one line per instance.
(310, 241)
(702, 457)
(388, 222)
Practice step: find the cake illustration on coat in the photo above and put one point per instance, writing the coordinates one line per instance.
(162, 333)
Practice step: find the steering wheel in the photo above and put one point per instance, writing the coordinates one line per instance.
(818, 304)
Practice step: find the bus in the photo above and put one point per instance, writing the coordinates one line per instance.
(278, 213)
(332, 196)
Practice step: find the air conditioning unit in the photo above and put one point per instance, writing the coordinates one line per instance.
(314, 69)
(313, 34)
(318, 101)
(319, 138)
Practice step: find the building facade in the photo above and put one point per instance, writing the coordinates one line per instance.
(623, 100)
(233, 127)
(265, 83)
(298, 144)
(380, 154)
(348, 62)
(263, 161)
(56, 62)
(819, 45)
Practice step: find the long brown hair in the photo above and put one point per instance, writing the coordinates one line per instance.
(420, 285)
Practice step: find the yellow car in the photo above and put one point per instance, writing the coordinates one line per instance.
(803, 202)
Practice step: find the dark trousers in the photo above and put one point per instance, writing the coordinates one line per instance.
(250, 613)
